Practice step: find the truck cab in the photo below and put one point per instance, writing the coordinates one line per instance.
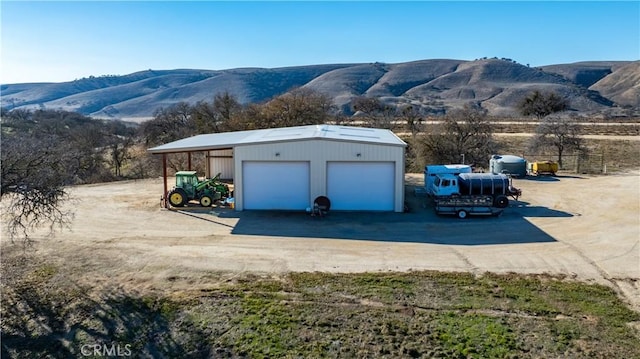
(445, 185)
(431, 171)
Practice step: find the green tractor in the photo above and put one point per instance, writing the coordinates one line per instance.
(189, 187)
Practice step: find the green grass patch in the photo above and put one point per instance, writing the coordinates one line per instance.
(366, 315)
(474, 336)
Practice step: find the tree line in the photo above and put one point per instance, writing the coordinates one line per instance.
(45, 151)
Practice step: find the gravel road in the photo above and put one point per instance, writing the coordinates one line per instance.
(582, 227)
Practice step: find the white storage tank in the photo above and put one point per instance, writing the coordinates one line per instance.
(508, 164)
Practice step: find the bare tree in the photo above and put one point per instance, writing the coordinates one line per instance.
(35, 173)
(560, 134)
(89, 143)
(225, 107)
(204, 118)
(374, 112)
(169, 124)
(216, 116)
(413, 119)
(368, 106)
(464, 133)
(542, 104)
(45, 151)
(119, 154)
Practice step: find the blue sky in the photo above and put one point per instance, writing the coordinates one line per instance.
(62, 41)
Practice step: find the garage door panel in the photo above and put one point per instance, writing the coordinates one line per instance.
(275, 185)
(361, 185)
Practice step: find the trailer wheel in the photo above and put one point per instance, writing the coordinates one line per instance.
(177, 197)
(205, 201)
(501, 201)
(462, 214)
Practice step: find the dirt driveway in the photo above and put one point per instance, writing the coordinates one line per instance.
(580, 226)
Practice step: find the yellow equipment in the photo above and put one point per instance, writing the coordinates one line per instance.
(537, 168)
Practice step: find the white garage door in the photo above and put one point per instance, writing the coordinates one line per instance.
(275, 185)
(361, 185)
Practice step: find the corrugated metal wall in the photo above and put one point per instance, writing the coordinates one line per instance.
(319, 152)
(220, 161)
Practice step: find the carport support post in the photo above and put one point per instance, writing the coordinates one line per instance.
(189, 160)
(164, 177)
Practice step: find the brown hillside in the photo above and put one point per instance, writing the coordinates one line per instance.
(433, 86)
(622, 86)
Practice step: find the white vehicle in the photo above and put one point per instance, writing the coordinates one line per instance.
(431, 171)
(472, 193)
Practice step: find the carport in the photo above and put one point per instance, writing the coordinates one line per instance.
(358, 169)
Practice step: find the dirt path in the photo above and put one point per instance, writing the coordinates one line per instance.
(582, 227)
(590, 137)
(525, 134)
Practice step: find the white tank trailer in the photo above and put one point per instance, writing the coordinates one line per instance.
(508, 164)
(473, 193)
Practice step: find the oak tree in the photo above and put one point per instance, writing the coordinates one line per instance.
(542, 104)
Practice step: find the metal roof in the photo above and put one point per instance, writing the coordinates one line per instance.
(222, 140)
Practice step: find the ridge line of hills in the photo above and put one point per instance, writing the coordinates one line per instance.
(593, 88)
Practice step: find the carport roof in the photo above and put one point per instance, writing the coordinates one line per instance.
(222, 140)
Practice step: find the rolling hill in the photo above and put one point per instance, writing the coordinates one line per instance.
(437, 85)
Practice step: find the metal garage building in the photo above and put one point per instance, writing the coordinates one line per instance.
(359, 169)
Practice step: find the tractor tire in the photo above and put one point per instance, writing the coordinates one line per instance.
(501, 201)
(177, 197)
(206, 201)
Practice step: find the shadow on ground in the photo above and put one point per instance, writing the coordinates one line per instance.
(72, 324)
(549, 178)
(419, 225)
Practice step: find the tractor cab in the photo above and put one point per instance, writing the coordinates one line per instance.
(187, 180)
